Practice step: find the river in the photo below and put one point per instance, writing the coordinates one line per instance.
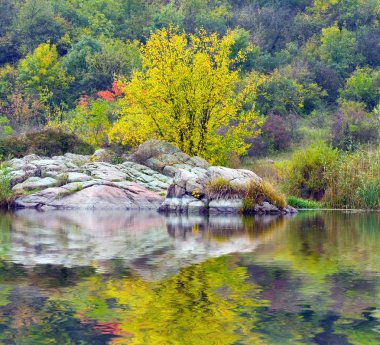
(73, 277)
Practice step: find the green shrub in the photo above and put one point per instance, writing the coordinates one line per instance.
(6, 193)
(48, 142)
(304, 175)
(340, 179)
(303, 203)
(353, 127)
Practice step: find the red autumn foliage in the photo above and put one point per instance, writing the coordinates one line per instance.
(117, 90)
(107, 95)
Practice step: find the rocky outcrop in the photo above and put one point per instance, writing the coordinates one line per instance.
(156, 176)
(87, 182)
(188, 192)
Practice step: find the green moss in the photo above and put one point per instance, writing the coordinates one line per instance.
(32, 191)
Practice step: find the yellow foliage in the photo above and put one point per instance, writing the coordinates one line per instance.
(324, 5)
(187, 94)
(205, 304)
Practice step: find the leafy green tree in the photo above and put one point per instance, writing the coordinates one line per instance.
(76, 64)
(350, 13)
(363, 85)
(369, 44)
(7, 10)
(36, 23)
(90, 121)
(41, 73)
(94, 63)
(168, 15)
(8, 45)
(115, 59)
(339, 49)
(282, 95)
(8, 75)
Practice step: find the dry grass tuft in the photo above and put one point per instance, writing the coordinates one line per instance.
(221, 188)
(252, 194)
(258, 193)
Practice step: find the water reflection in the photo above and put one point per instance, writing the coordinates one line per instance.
(152, 245)
(139, 278)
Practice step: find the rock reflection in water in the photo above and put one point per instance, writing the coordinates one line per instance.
(146, 242)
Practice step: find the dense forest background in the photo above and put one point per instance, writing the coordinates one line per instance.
(318, 61)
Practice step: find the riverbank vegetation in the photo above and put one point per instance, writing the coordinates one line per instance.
(290, 89)
(338, 179)
(6, 193)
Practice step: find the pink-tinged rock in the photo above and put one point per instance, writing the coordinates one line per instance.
(109, 197)
(94, 197)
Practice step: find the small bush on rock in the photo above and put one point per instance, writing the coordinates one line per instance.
(258, 193)
(252, 194)
(221, 188)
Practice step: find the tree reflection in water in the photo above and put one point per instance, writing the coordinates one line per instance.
(140, 278)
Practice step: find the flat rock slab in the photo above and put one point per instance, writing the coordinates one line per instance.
(36, 183)
(94, 197)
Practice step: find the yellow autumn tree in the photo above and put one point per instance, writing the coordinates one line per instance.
(189, 94)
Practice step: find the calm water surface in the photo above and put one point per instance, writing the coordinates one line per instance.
(141, 278)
